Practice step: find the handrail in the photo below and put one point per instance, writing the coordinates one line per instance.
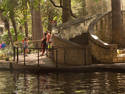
(16, 52)
(62, 32)
(16, 44)
(80, 20)
(100, 39)
(94, 37)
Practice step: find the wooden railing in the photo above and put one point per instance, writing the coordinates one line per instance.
(19, 49)
(66, 55)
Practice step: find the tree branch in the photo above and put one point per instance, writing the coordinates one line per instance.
(55, 4)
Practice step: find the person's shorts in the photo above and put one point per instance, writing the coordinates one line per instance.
(44, 46)
(25, 47)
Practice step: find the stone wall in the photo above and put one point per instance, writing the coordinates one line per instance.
(72, 42)
(103, 54)
(100, 38)
(81, 39)
(103, 28)
(70, 53)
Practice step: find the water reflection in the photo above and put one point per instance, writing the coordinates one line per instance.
(63, 83)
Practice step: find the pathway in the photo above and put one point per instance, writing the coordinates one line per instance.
(46, 65)
(32, 59)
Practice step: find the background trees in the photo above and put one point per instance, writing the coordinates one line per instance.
(30, 18)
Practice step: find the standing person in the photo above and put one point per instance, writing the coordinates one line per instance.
(44, 44)
(48, 37)
(25, 45)
(49, 41)
(0, 45)
(3, 45)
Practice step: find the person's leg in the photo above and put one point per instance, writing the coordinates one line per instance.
(26, 50)
(47, 48)
(43, 49)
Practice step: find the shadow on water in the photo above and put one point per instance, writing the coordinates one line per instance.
(62, 83)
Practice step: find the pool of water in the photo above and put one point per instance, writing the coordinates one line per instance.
(62, 83)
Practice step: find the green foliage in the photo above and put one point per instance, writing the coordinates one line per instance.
(49, 13)
(4, 37)
(96, 0)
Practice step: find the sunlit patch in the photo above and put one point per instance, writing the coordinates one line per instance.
(80, 91)
(95, 37)
(105, 43)
(118, 51)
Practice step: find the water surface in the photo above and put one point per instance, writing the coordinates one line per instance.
(62, 83)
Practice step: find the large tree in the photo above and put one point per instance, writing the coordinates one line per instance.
(66, 15)
(10, 9)
(36, 20)
(66, 9)
(118, 34)
(25, 17)
(7, 26)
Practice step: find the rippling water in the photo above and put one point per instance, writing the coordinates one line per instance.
(62, 83)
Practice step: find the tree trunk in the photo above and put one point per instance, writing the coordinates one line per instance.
(84, 8)
(50, 18)
(118, 34)
(7, 26)
(49, 24)
(10, 36)
(66, 14)
(37, 30)
(25, 18)
(13, 23)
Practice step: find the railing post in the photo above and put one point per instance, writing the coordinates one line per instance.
(56, 58)
(14, 53)
(17, 55)
(38, 57)
(24, 57)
